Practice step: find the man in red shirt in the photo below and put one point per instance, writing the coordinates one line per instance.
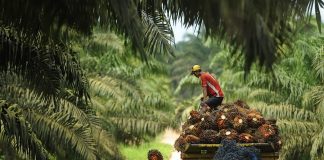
(212, 92)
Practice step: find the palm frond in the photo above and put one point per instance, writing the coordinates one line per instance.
(284, 111)
(318, 145)
(319, 64)
(52, 65)
(296, 136)
(138, 126)
(297, 127)
(114, 87)
(295, 146)
(185, 81)
(66, 132)
(140, 117)
(19, 132)
(258, 34)
(265, 96)
(314, 97)
(158, 35)
(106, 147)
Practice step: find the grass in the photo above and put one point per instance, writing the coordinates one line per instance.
(140, 152)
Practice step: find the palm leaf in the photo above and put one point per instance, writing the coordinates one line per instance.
(68, 134)
(159, 35)
(188, 80)
(319, 64)
(106, 147)
(284, 111)
(19, 133)
(52, 65)
(317, 146)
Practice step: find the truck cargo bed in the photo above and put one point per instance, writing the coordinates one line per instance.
(207, 151)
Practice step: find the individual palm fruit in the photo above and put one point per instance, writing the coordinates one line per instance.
(180, 144)
(195, 117)
(154, 155)
(229, 134)
(239, 123)
(245, 138)
(192, 139)
(208, 122)
(266, 131)
(255, 119)
(209, 136)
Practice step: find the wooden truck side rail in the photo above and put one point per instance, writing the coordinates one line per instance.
(207, 151)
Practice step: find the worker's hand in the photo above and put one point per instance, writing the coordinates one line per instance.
(202, 103)
(203, 99)
(204, 107)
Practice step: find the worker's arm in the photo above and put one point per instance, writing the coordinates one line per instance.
(205, 93)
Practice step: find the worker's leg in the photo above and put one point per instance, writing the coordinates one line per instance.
(213, 102)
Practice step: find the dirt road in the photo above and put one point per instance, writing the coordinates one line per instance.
(169, 137)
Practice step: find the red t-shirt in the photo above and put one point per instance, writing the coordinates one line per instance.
(213, 87)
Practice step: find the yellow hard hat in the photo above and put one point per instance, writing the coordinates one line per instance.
(195, 68)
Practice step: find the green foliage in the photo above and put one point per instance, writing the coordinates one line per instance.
(36, 127)
(131, 97)
(55, 66)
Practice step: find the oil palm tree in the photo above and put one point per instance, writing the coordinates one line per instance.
(43, 89)
(256, 28)
(43, 65)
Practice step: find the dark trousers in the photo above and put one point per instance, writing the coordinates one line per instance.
(213, 102)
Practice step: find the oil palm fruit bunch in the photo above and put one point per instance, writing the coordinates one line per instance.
(255, 119)
(208, 122)
(195, 117)
(192, 139)
(273, 122)
(239, 123)
(229, 134)
(243, 111)
(209, 136)
(266, 131)
(185, 125)
(180, 144)
(193, 130)
(154, 154)
(245, 138)
(227, 108)
(222, 120)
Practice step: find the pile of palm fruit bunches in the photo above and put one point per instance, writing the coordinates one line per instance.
(234, 121)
